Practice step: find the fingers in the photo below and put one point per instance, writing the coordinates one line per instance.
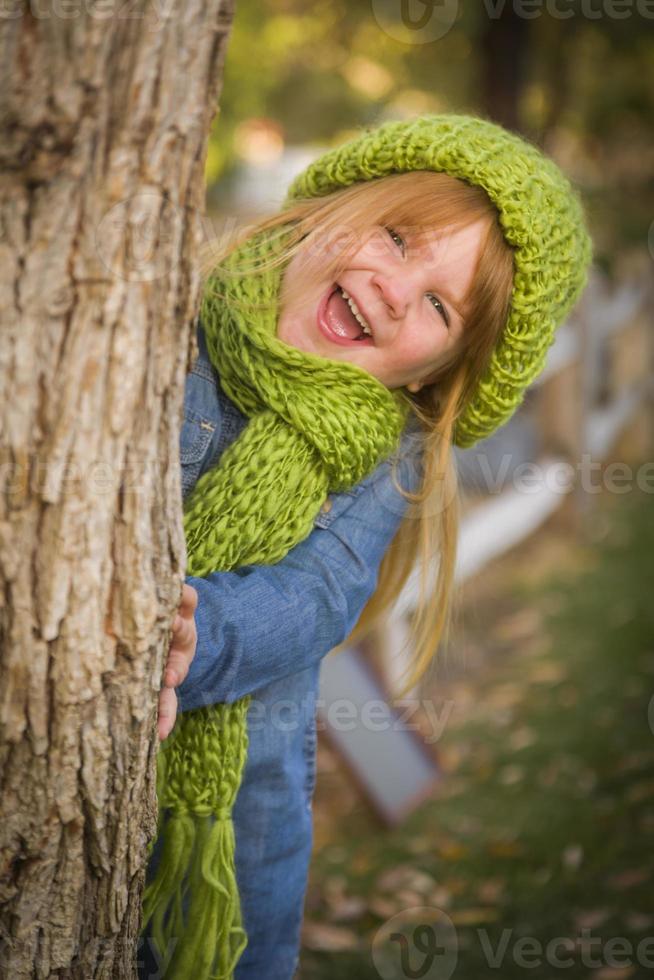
(189, 601)
(167, 712)
(184, 633)
(177, 666)
(181, 652)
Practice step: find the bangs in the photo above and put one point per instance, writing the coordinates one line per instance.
(328, 230)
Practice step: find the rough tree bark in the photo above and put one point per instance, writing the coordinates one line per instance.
(106, 109)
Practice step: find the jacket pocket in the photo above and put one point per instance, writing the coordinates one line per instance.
(195, 439)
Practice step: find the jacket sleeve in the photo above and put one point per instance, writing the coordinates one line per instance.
(261, 623)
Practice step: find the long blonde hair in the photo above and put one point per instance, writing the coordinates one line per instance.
(332, 226)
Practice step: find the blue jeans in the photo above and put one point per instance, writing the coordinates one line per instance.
(273, 829)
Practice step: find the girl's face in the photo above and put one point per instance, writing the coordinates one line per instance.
(396, 310)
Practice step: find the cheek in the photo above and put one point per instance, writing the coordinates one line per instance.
(428, 338)
(285, 324)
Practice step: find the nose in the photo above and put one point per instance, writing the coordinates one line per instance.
(394, 289)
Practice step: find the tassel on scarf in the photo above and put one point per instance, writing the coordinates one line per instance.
(192, 901)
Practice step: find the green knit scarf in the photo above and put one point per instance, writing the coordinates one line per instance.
(315, 426)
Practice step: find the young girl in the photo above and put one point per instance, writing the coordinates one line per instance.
(399, 303)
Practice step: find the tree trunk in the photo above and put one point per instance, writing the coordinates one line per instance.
(504, 49)
(105, 110)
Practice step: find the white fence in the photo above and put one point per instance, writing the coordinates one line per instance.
(597, 380)
(602, 364)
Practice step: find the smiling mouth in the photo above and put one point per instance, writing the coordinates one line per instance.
(340, 319)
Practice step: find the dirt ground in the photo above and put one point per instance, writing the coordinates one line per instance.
(541, 831)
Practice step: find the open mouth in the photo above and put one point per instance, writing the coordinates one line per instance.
(340, 319)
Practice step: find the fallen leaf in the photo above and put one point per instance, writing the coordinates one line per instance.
(547, 672)
(634, 760)
(501, 717)
(361, 863)
(591, 918)
(519, 625)
(521, 738)
(505, 695)
(350, 907)
(403, 876)
(484, 771)
(491, 890)
(646, 821)
(452, 851)
(627, 879)
(441, 898)
(638, 921)
(456, 886)
(384, 907)
(508, 849)
(451, 755)
(409, 899)
(472, 917)
(642, 790)
(342, 906)
(334, 885)
(572, 856)
(469, 825)
(549, 775)
(328, 938)
(587, 780)
(511, 774)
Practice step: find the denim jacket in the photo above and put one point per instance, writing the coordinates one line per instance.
(262, 631)
(314, 595)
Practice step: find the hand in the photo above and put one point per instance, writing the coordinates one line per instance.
(180, 654)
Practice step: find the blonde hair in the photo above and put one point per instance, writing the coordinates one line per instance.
(330, 228)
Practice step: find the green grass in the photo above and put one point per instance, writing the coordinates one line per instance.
(545, 826)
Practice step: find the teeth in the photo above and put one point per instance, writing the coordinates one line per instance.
(357, 314)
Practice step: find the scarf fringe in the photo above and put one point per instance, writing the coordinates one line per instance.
(192, 902)
(204, 943)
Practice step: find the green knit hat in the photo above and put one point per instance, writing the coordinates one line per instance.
(541, 216)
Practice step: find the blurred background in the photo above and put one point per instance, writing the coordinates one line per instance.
(508, 819)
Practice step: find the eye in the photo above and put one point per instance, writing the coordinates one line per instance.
(397, 239)
(438, 306)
